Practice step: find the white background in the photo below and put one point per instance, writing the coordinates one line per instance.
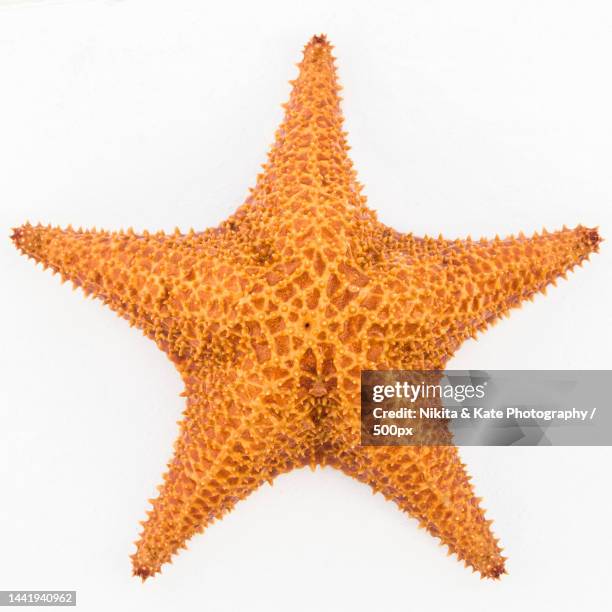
(464, 117)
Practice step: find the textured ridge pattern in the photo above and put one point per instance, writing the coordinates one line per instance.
(270, 318)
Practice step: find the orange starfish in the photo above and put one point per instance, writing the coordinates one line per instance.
(270, 318)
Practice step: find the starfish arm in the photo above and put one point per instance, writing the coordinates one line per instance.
(484, 280)
(308, 170)
(310, 152)
(431, 484)
(147, 279)
(466, 286)
(225, 450)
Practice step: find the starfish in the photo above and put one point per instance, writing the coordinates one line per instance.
(270, 318)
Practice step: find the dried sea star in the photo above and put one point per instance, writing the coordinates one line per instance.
(270, 318)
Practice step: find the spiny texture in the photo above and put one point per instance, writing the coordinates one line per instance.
(270, 318)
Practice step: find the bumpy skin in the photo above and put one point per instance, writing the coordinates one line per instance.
(270, 318)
